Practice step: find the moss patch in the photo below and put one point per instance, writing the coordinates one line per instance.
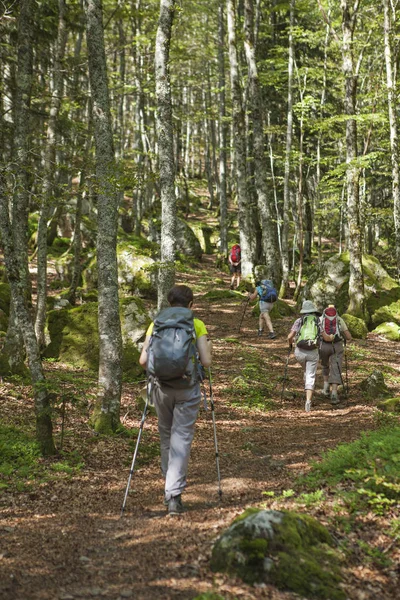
(357, 327)
(391, 331)
(390, 405)
(5, 297)
(290, 550)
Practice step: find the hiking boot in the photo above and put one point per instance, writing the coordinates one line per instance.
(271, 335)
(308, 405)
(231, 287)
(175, 506)
(325, 392)
(334, 399)
(259, 332)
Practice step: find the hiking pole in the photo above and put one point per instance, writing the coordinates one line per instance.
(136, 449)
(215, 434)
(345, 367)
(241, 320)
(286, 370)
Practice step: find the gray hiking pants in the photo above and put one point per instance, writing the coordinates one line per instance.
(331, 356)
(309, 361)
(177, 413)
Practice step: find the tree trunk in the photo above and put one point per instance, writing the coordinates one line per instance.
(15, 234)
(268, 226)
(107, 412)
(391, 95)
(223, 131)
(48, 177)
(286, 184)
(166, 278)
(356, 281)
(245, 209)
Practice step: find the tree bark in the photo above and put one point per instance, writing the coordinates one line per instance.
(223, 134)
(14, 233)
(166, 276)
(245, 208)
(268, 225)
(391, 96)
(106, 417)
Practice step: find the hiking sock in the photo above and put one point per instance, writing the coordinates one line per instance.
(308, 405)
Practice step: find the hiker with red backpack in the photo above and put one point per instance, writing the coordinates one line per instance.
(176, 342)
(305, 332)
(267, 295)
(235, 265)
(334, 332)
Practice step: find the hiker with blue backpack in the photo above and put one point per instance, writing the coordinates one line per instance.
(334, 332)
(175, 348)
(267, 295)
(305, 332)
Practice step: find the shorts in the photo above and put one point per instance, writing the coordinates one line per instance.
(265, 306)
(235, 268)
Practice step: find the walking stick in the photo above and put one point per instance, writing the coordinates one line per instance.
(286, 370)
(215, 435)
(345, 367)
(241, 320)
(144, 415)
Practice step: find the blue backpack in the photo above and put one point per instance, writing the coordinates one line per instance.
(266, 291)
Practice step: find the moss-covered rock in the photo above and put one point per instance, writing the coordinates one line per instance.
(390, 405)
(286, 549)
(391, 331)
(280, 309)
(330, 284)
(357, 327)
(186, 240)
(74, 335)
(387, 314)
(374, 386)
(203, 233)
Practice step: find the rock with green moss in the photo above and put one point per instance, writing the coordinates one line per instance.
(390, 331)
(387, 314)
(186, 240)
(74, 335)
(390, 405)
(356, 326)
(330, 284)
(374, 385)
(204, 234)
(279, 309)
(289, 550)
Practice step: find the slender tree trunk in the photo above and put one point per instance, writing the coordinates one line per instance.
(223, 133)
(391, 95)
(48, 178)
(107, 412)
(166, 277)
(268, 226)
(245, 209)
(356, 281)
(14, 234)
(286, 184)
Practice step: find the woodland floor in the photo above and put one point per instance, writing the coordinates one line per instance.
(64, 539)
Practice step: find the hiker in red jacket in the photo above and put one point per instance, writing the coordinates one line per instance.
(235, 260)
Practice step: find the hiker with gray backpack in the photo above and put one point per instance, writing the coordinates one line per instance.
(175, 349)
(267, 295)
(334, 332)
(305, 332)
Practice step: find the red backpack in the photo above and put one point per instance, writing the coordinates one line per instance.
(330, 325)
(235, 253)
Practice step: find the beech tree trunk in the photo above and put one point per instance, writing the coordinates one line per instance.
(223, 133)
(166, 278)
(356, 281)
(268, 225)
(14, 233)
(391, 95)
(106, 416)
(245, 209)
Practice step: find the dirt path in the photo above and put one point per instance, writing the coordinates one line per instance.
(65, 540)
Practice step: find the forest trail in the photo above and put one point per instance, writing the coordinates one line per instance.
(65, 540)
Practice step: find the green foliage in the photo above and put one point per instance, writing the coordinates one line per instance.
(368, 469)
(253, 388)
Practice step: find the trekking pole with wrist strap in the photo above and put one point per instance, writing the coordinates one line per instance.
(144, 415)
(215, 435)
(286, 370)
(241, 320)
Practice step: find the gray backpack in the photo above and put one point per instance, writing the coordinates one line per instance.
(172, 354)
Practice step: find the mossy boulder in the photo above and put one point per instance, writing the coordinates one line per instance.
(204, 234)
(330, 284)
(387, 314)
(357, 327)
(374, 386)
(390, 405)
(391, 331)
(280, 309)
(186, 240)
(74, 337)
(289, 550)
